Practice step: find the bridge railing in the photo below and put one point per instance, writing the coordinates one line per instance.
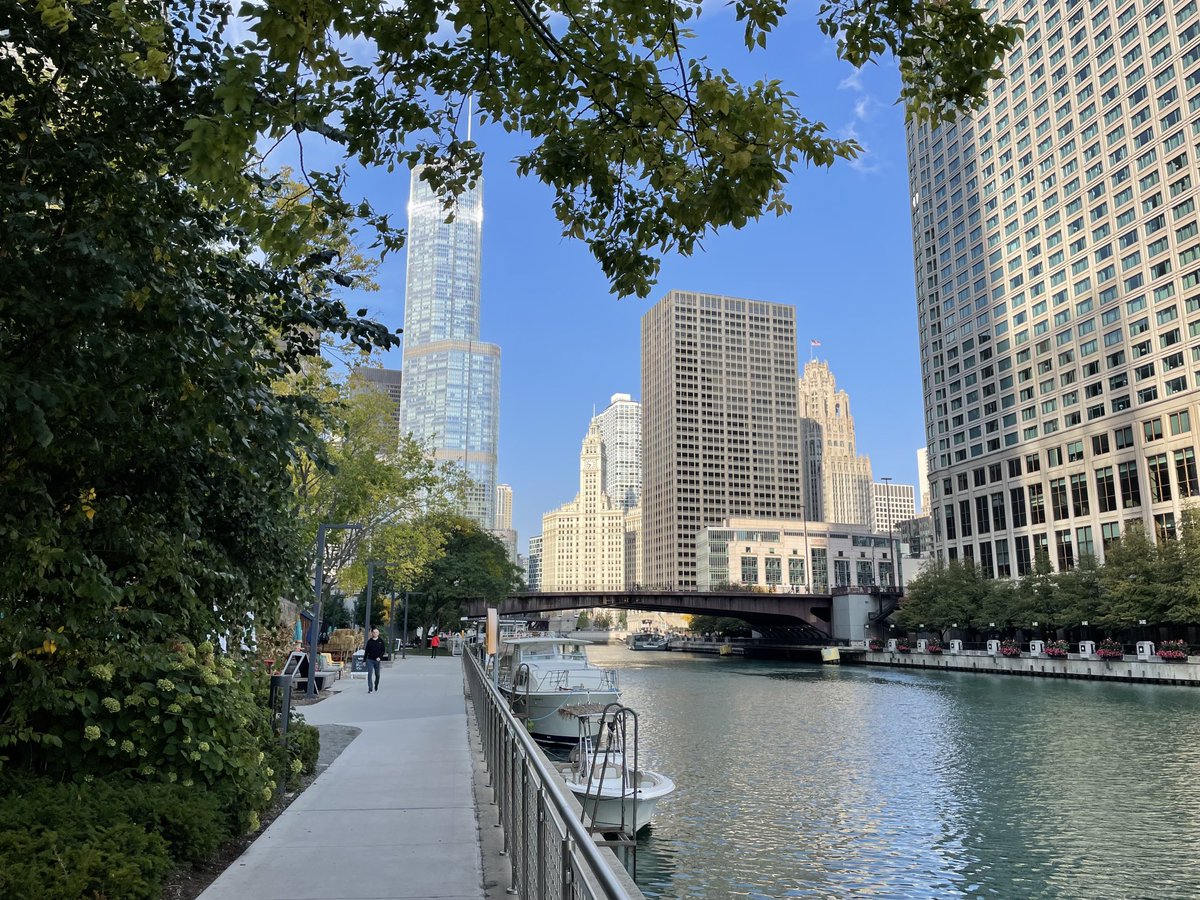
(553, 856)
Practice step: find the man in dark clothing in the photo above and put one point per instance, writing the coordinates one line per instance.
(374, 653)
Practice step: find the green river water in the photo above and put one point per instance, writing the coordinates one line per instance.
(844, 781)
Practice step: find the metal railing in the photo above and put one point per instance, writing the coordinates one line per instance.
(553, 857)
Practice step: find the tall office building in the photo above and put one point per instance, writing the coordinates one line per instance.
(719, 427)
(503, 506)
(451, 396)
(923, 479)
(621, 433)
(583, 542)
(387, 381)
(1055, 245)
(837, 479)
(533, 566)
(891, 503)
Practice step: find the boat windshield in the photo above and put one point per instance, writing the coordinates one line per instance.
(572, 652)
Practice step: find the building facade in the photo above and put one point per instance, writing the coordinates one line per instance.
(891, 503)
(621, 432)
(923, 479)
(451, 396)
(720, 435)
(503, 506)
(794, 557)
(583, 542)
(1056, 250)
(837, 479)
(387, 381)
(533, 564)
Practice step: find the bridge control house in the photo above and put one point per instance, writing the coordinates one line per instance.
(799, 557)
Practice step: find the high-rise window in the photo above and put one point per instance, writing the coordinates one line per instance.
(981, 514)
(1079, 495)
(1131, 492)
(1083, 542)
(1016, 497)
(985, 559)
(1066, 555)
(1106, 490)
(1109, 532)
(1037, 505)
(951, 531)
(964, 509)
(1058, 499)
(1024, 564)
(1185, 472)
(1160, 478)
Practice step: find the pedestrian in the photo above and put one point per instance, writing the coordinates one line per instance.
(374, 654)
(433, 646)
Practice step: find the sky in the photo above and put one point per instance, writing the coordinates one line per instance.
(843, 257)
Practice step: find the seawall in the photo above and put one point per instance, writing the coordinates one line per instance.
(1129, 669)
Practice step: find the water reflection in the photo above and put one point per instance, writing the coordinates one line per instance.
(809, 781)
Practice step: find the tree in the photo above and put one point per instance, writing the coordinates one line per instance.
(722, 626)
(1130, 577)
(944, 595)
(1036, 596)
(474, 566)
(146, 499)
(1080, 592)
(583, 620)
(646, 149)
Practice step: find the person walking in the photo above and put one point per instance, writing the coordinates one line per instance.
(434, 643)
(374, 654)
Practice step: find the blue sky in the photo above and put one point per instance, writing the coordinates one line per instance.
(843, 257)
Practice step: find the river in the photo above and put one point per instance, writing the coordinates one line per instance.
(844, 781)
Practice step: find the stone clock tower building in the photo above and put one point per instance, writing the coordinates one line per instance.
(583, 542)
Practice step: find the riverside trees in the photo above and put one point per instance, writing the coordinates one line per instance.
(1140, 580)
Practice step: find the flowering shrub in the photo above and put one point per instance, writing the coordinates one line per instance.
(875, 645)
(1010, 648)
(1110, 649)
(902, 646)
(934, 647)
(1173, 650)
(1057, 649)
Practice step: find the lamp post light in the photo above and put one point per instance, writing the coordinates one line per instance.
(404, 638)
(318, 580)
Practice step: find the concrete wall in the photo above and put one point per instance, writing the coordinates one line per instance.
(1128, 669)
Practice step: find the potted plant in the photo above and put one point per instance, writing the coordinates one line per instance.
(1010, 648)
(1173, 651)
(1057, 649)
(934, 646)
(1110, 649)
(875, 645)
(902, 646)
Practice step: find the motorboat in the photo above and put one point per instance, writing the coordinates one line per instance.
(603, 773)
(648, 640)
(552, 687)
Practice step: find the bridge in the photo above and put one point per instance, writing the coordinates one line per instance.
(806, 615)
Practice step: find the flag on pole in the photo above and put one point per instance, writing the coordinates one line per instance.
(815, 343)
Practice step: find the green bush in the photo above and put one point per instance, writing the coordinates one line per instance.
(304, 745)
(98, 840)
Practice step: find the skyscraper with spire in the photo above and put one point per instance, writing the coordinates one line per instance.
(451, 395)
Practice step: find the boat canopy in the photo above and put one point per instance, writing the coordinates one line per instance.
(533, 648)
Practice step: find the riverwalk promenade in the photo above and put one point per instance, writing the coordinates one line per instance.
(393, 817)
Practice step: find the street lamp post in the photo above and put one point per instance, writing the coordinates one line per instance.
(318, 580)
(371, 567)
(404, 639)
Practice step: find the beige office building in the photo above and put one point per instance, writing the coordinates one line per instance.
(890, 504)
(1057, 258)
(719, 426)
(503, 506)
(837, 479)
(583, 542)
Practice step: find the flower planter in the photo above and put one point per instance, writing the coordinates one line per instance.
(936, 651)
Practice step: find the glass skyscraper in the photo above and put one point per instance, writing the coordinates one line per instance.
(451, 395)
(1057, 256)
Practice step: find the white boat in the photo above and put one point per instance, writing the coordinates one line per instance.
(550, 684)
(616, 795)
(648, 640)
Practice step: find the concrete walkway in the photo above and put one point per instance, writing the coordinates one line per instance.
(393, 816)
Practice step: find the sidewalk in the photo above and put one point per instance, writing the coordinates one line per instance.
(393, 816)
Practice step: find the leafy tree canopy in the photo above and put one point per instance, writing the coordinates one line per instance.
(645, 147)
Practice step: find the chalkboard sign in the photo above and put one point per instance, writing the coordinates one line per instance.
(358, 663)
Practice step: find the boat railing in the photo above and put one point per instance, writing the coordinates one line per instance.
(552, 854)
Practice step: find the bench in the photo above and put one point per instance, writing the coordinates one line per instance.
(297, 662)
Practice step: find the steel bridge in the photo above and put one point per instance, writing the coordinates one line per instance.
(806, 615)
